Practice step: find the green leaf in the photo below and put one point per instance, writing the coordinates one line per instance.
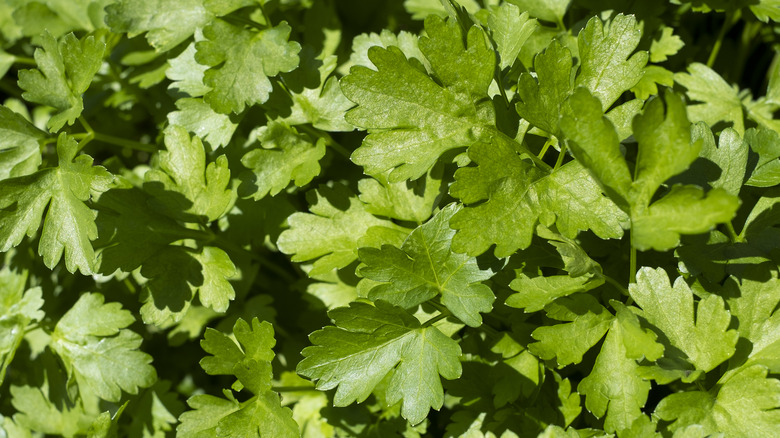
(69, 225)
(666, 45)
(250, 362)
(176, 273)
(586, 323)
(407, 42)
(186, 74)
(261, 415)
(720, 101)
(510, 30)
(197, 117)
(653, 77)
(420, 9)
(765, 143)
(552, 11)
(745, 405)
(19, 145)
(665, 147)
(684, 210)
(18, 309)
(165, 22)
(705, 341)
(424, 267)
(533, 293)
(36, 412)
(541, 97)
(331, 232)
(411, 118)
(766, 10)
(594, 142)
(65, 71)
(608, 67)
(613, 386)
(369, 343)
(187, 188)
(406, 200)
(519, 196)
(731, 156)
(99, 351)
(241, 62)
(285, 156)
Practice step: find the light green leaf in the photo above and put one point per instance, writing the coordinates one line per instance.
(369, 343)
(665, 147)
(541, 97)
(186, 74)
(720, 101)
(731, 156)
(510, 30)
(99, 351)
(197, 117)
(684, 210)
(65, 71)
(407, 42)
(705, 340)
(69, 225)
(187, 188)
(608, 67)
(331, 232)
(176, 273)
(250, 362)
(519, 196)
(261, 415)
(535, 293)
(420, 9)
(20, 148)
(745, 405)
(666, 45)
(241, 62)
(18, 309)
(765, 143)
(36, 412)
(586, 322)
(547, 10)
(411, 119)
(766, 10)
(285, 156)
(166, 22)
(406, 200)
(592, 139)
(753, 302)
(654, 76)
(613, 386)
(424, 267)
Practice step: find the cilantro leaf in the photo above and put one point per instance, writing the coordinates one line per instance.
(533, 293)
(407, 42)
(261, 416)
(424, 267)
(510, 29)
(586, 323)
(411, 119)
(764, 142)
(331, 233)
(542, 97)
(552, 11)
(744, 405)
(705, 341)
(197, 117)
(165, 22)
(719, 100)
(241, 61)
(519, 195)
(19, 308)
(730, 155)
(407, 200)
(608, 67)
(367, 343)
(285, 156)
(187, 188)
(99, 351)
(186, 74)
(20, 145)
(37, 413)
(65, 71)
(69, 224)
(666, 45)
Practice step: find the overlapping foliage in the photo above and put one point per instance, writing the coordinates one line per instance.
(284, 218)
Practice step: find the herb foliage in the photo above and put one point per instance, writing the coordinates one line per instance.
(286, 218)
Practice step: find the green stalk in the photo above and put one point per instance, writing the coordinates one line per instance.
(731, 19)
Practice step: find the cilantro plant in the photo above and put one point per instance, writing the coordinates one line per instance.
(283, 218)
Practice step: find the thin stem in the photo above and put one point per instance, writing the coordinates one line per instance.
(561, 156)
(86, 125)
(500, 82)
(546, 146)
(24, 60)
(435, 319)
(328, 139)
(130, 144)
(538, 162)
(732, 233)
(615, 284)
(632, 264)
(731, 18)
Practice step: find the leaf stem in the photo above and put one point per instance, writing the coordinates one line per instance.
(546, 146)
(728, 22)
(130, 144)
(632, 264)
(561, 156)
(316, 133)
(524, 150)
(24, 60)
(615, 284)
(294, 389)
(732, 233)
